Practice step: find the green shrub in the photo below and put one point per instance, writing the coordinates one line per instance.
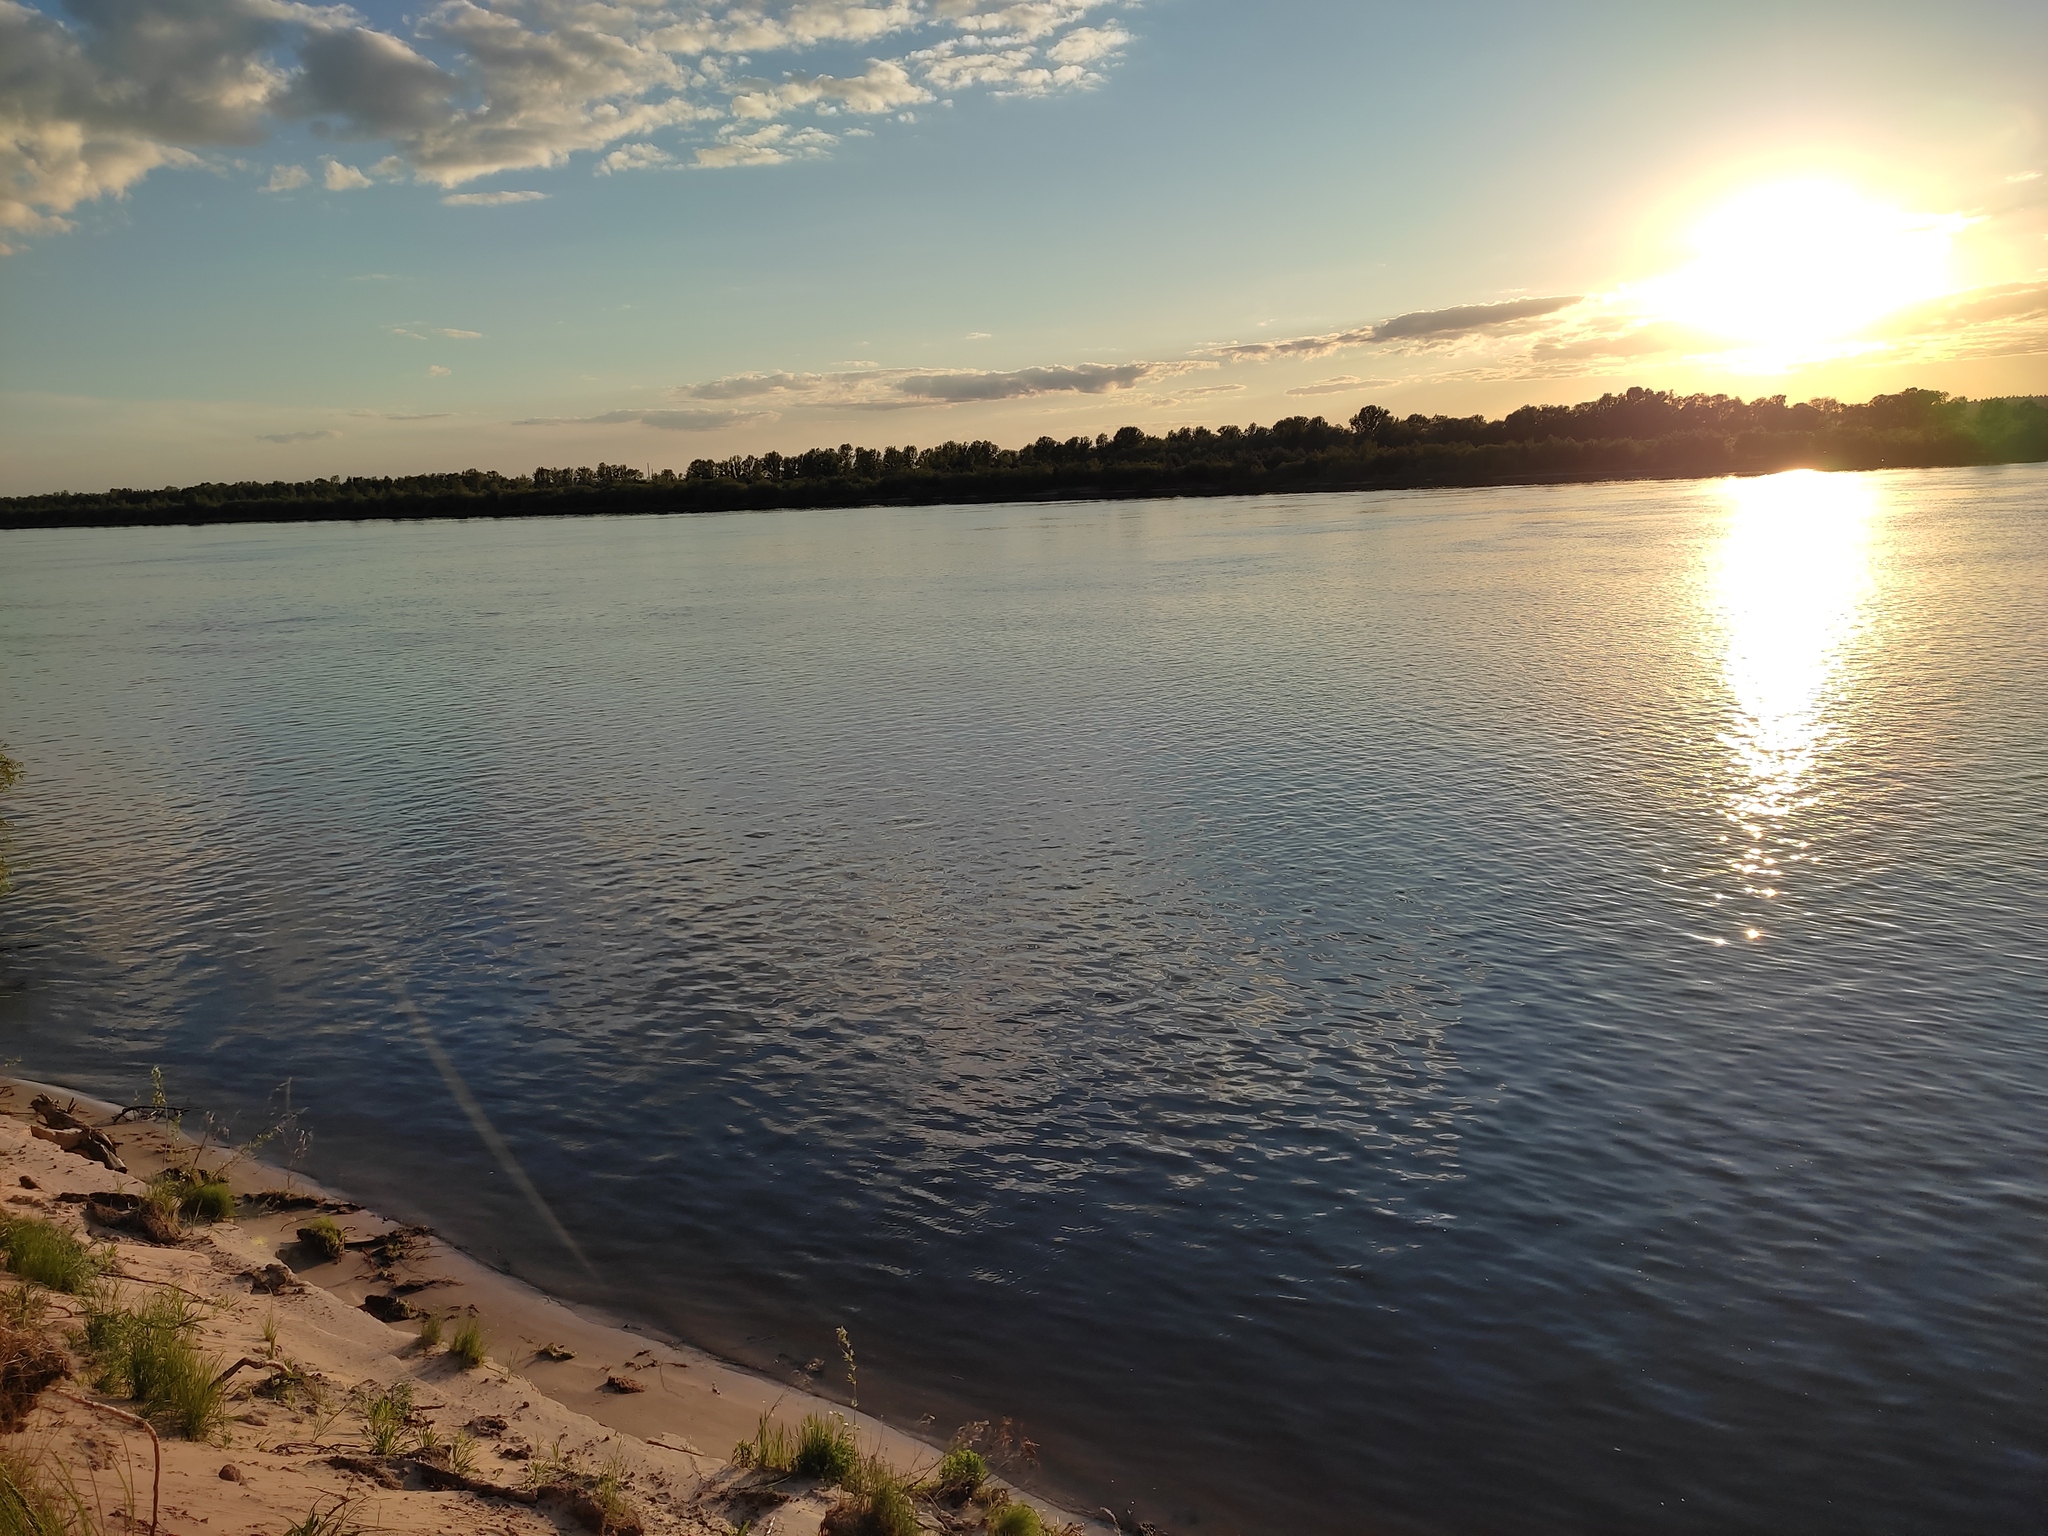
(1015, 1520)
(959, 1472)
(825, 1449)
(877, 1503)
(49, 1255)
(146, 1353)
(323, 1235)
(210, 1201)
(470, 1343)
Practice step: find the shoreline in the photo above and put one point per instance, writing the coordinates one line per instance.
(514, 507)
(675, 1409)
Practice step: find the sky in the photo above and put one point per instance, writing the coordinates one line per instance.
(261, 239)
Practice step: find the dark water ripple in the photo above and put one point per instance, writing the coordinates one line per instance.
(1262, 992)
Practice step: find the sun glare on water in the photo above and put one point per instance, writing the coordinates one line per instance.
(1794, 267)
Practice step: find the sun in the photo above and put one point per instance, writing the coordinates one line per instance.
(1793, 267)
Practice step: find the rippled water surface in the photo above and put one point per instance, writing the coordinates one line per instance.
(1487, 1012)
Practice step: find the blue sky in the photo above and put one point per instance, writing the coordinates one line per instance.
(256, 238)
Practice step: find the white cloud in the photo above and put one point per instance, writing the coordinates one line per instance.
(285, 178)
(91, 104)
(436, 371)
(633, 157)
(771, 145)
(885, 87)
(297, 437)
(1084, 45)
(491, 199)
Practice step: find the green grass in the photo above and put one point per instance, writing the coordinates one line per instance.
(210, 1201)
(877, 1503)
(462, 1453)
(387, 1419)
(959, 1473)
(330, 1520)
(430, 1330)
(37, 1499)
(49, 1255)
(1015, 1520)
(323, 1235)
(470, 1343)
(22, 1305)
(147, 1353)
(825, 1449)
(773, 1448)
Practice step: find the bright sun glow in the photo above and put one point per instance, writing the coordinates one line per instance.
(1791, 267)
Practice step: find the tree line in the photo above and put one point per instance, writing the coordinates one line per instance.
(1638, 434)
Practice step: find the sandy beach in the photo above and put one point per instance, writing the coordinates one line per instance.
(558, 1388)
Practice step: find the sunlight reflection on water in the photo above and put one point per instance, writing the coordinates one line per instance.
(1792, 577)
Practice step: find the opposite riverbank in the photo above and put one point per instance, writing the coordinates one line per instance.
(562, 1420)
(1637, 435)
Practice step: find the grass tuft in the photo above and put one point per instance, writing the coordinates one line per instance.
(387, 1419)
(147, 1353)
(1015, 1520)
(877, 1503)
(825, 1449)
(323, 1235)
(773, 1448)
(470, 1343)
(22, 1305)
(430, 1330)
(330, 1520)
(959, 1473)
(211, 1201)
(38, 1499)
(49, 1255)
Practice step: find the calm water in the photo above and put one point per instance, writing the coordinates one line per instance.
(1488, 1012)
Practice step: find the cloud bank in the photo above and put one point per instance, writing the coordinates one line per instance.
(92, 102)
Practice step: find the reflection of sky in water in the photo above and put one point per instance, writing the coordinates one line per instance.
(1791, 578)
(1185, 975)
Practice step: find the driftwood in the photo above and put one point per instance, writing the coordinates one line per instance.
(249, 1362)
(273, 1280)
(151, 1112)
(156, 1487)
(57, 1117)
(132, 1213)
(83, 1140)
